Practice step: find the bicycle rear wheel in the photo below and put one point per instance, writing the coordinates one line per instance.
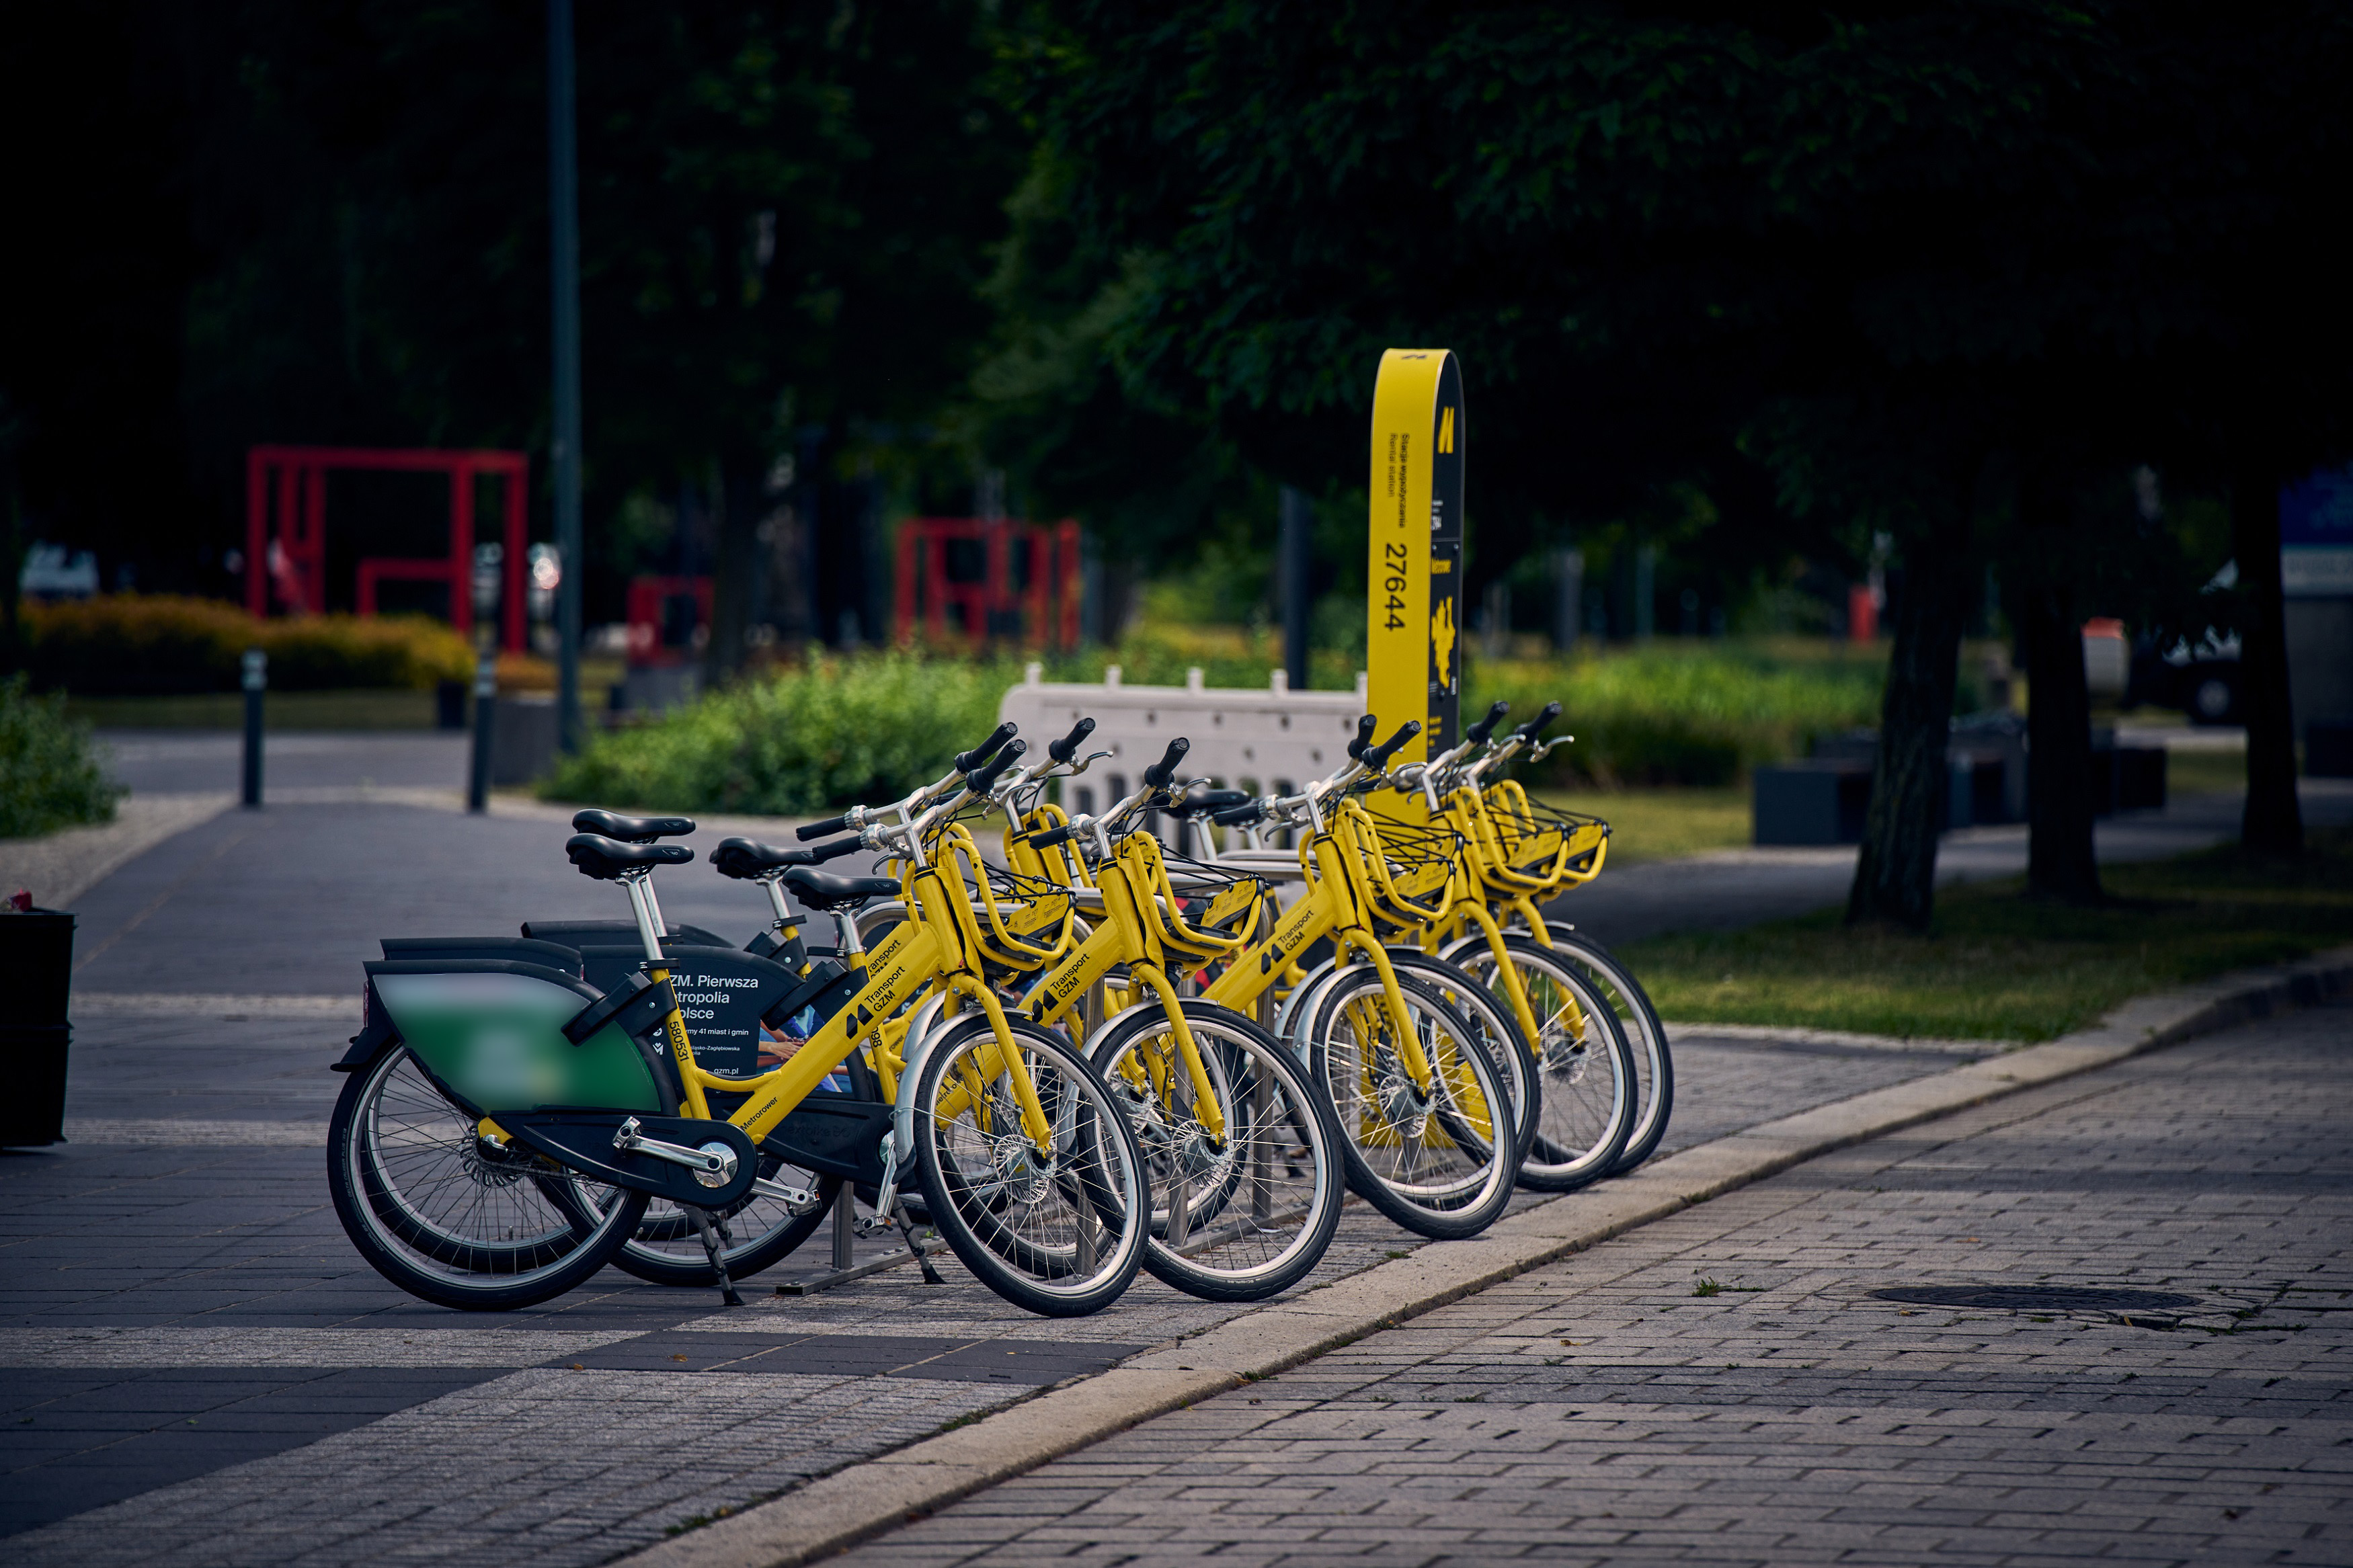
(1059, 1231)
(1587, 1069)
(1654, 1065)
(1439, 1160)
(455, 1218)
(1241, 1216)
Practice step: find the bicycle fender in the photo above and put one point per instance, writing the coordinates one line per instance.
(378, 1035)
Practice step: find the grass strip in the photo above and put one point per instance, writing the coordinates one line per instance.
(1998, 965)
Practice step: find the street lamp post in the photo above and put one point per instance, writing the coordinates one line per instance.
(564, 216)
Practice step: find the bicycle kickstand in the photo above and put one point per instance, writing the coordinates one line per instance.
(711, 1249)
(922, 1259)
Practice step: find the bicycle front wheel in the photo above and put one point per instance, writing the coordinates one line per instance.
(1060, 1228)
(1439, 1158)
(1243, 1212)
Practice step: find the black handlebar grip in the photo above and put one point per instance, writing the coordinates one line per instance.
(967, 761)
(1365, 728)
(1377, 759)
(1239, 815)
(1063, 750)
(1535, 726)
(1061, 835)
(1479, 733)
(986, 779)
(835, 850)
(819, 829)
(1158, 775)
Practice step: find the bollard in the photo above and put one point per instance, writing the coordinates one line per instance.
(845, 1219)
(1294, 570)
(486, 702)
(257, 681)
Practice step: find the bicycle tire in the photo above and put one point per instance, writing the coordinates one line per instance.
(1277, 1119)
(1378, 1106)
(1654, 1063)
(1506, 1042)
(1062, 1237)
(361, 1183)
(1590, 1091)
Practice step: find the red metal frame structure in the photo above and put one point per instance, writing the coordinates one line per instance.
(1045, 603)
(647, 597)
(286, 562)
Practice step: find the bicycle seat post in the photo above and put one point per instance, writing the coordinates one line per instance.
(639, 886)
(848, 943)
(772, 884)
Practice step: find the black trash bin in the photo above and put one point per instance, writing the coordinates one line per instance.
(36, 975)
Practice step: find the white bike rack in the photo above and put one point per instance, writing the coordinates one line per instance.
(1264, 741)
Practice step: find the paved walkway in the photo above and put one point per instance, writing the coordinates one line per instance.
(195, 1366)
(1780, 1375)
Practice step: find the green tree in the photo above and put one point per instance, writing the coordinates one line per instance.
(1935, 264)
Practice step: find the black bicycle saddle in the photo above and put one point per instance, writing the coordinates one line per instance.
(608, 858)
(825, 890)
(1206, 800)
(745, 859)
(631, 830)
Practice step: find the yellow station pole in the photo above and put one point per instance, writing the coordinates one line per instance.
(1414, 583)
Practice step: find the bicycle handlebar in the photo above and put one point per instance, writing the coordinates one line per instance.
(1377, 759)
(1527, 733)
(1485, 727)
(1063, 750)
(1061, 835)
(835, 850)
(1158, 775)
(967, 761)
(1365, 728)
(1240, 815)
(980, 784)
(831, 825)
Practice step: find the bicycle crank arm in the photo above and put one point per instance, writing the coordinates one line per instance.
(886, 1194)
(800, 1200)
(713, 1164)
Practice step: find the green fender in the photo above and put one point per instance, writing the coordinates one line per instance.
(493, 1032)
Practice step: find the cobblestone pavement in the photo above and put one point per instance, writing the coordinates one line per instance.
(1731, 1385)
(195, 1366)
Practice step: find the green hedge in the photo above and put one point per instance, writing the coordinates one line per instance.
(49, 777)
(159, 644)
(1672, 715)
(836, 732)
(844, 728)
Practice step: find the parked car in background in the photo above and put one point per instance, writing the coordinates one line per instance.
(2200, 677)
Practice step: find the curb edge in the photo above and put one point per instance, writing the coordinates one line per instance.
(836, 1511)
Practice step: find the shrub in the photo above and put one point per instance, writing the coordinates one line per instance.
(844, 728)
(835, 731)
(142, 644)
(1680, 716)
(49, 777)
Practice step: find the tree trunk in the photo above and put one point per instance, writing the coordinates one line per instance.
(2273, 821)
(735, 586)
(2059, 861)
(1895, 875)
